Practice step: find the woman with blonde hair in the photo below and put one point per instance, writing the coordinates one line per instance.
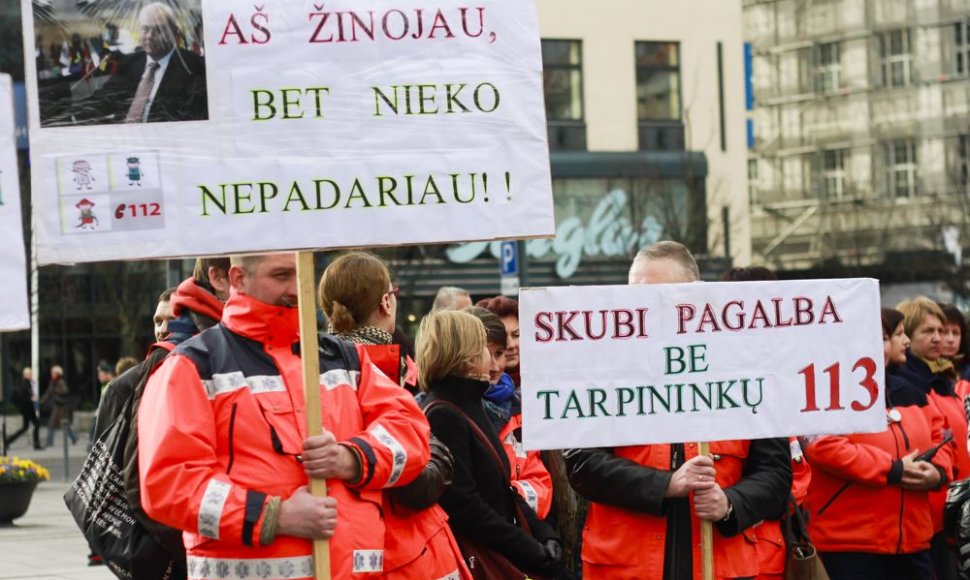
(927, 368)
(356, 294)
(489, 519)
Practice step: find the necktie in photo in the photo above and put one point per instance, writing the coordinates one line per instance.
(137, 110)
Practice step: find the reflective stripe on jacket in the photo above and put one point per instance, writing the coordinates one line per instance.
(222, 422)
(530, 478)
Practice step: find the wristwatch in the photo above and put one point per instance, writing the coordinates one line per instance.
(730, 512)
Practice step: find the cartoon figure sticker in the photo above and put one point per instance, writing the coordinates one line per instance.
(86, 217)
(134, 171)
(82, 174)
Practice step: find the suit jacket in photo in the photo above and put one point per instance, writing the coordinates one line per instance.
(181, 96)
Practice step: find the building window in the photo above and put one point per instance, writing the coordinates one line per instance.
(901, 173)
(658, 96)
(828, 73)
(833, 174)
(896, 57)
(961, 47)
(562, 63)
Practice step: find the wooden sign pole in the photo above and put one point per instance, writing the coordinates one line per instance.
(309, 348)
(707, 532)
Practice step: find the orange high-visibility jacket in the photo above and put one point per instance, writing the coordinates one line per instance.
(530, 478)
(854, 501)
(620, 544)
(418, 544)
(222, 423)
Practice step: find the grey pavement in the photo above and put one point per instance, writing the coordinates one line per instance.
(45, 543)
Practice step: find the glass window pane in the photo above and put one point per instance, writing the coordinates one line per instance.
(898, 76)
(560, 52)
(658, 95)
(896, 42)
(563, 89)
(958, 33)
(657, 54)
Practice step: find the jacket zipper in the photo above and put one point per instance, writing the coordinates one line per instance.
(834, 497)
(232, 426)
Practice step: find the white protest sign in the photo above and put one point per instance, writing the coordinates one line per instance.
(286, 125)
(606, 366)
(14, 312)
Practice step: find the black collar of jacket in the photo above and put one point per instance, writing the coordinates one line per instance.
(460, 389)
(900, 392)
(917, 372)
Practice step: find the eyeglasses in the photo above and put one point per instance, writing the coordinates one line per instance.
(396, 291)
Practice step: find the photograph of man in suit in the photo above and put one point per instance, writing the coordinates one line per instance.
(159, 83)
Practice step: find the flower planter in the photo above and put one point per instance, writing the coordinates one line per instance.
(15, 499)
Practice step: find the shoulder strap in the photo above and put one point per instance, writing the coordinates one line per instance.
(479, 434)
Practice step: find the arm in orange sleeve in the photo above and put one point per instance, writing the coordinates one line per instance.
(182, 483)
(394, 446)
(852, 461)
(532, 481)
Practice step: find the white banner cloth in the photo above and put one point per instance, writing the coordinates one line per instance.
(606, 366)
(339, 124)
(14, 311)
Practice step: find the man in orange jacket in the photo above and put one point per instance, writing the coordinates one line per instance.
(646, 502)
(224, 454)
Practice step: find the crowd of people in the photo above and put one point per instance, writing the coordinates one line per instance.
(422, 448)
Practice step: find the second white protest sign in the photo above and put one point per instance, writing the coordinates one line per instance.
(610, 366)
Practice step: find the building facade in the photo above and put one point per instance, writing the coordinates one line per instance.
(859, 115)
(645, 111)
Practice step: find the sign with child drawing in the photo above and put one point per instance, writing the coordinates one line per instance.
(285, 126)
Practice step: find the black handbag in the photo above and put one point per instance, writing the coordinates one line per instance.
(99, 505)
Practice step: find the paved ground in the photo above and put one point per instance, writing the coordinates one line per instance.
(45, 543)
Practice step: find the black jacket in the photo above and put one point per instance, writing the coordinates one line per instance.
(601, 477)
(181, 96)
(479, 502)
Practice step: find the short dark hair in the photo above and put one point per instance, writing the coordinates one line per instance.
(494, 329)
(954, 316)
(890, 320)
(201, 271)
(166, 295)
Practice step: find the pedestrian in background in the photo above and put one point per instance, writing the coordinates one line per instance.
(58, 395)
(28, 405)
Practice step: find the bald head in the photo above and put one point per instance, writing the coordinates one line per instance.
(664, 263)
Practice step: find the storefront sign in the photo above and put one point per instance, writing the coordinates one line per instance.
(607, 232)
